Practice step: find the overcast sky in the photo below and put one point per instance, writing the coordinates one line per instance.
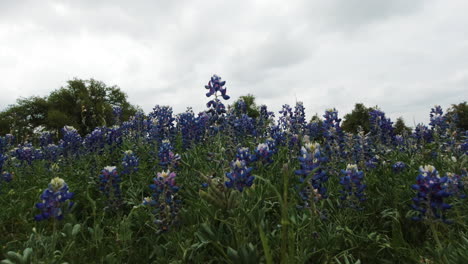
(405, 56)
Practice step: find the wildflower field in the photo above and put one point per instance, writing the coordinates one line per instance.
(223, 187)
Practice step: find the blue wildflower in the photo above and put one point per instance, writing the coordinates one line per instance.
(129, 163)
(45, 139)
(71, 142)
(432, 190)
(164, 201)
(240, 176)
(27, 153)
(399, 166)
(263, 152)
(216, 85)
(161, 125)
(6, 177)
(353, 186)
(117, 114)
(167, 158)
(312, 174)
(53, 200)
(456, 184)
(110, 185)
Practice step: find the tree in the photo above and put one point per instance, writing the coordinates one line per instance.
(359, 117)
(88, 104)
(83, 104)
(251, 107)
(458, 114)
(24, 118)
(400, 127)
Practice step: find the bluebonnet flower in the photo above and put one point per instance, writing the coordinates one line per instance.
(117, 114)
(381, 128)
(164, 201)
(110, 185)
(216, 108)
(215, 85)
(353, 186)
(277, 135)
(167, 158)
(6, 177)
(298, 121)
(51, 153)
(129, 163)
(114, 136)
(243, 126)
(286, 117)
(96, 140)
(244, 154)
(314, 130)
(438, 121)
(240, 176)
(399, 166)
(71, 142)
(263, 152)
(190, 127)
(456, 184)
(422, 134)
(265, 118)
(333, 134)
(373, 162)
(45, 139)
(3, 158)
(311, 161)
(429, 201)
(26, 153)
(162, 123)
(137, 126)
(54, 199)
(240, 108)
(6, 142)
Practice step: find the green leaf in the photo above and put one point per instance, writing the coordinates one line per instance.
(76, 229)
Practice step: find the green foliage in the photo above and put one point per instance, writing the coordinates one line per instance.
(252, 108)
(459, 114)
(400, 127)
(359, 117)
(219, 225)
(83, 104)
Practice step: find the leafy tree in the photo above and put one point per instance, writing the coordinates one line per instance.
(252, 108)
(400, 127)
(359, 117)
(458, 113)
(83, 104)
(22, 119)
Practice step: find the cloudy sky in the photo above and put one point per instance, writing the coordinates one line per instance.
(404, 56)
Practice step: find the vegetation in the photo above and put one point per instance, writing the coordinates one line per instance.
(224, 186)
(83, 104)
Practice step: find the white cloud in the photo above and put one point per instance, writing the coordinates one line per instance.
(403, 56)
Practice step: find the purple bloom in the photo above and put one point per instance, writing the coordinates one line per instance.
(167, 158)
(263, 152)
(129, 163)
(71, 142)
(240, 176)
(216, 85)
(353, 186)
(53, 200)
(399, 166)
(311, 161)
(27, 153)
(432, 190)
(110, 185)
(164, 200)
